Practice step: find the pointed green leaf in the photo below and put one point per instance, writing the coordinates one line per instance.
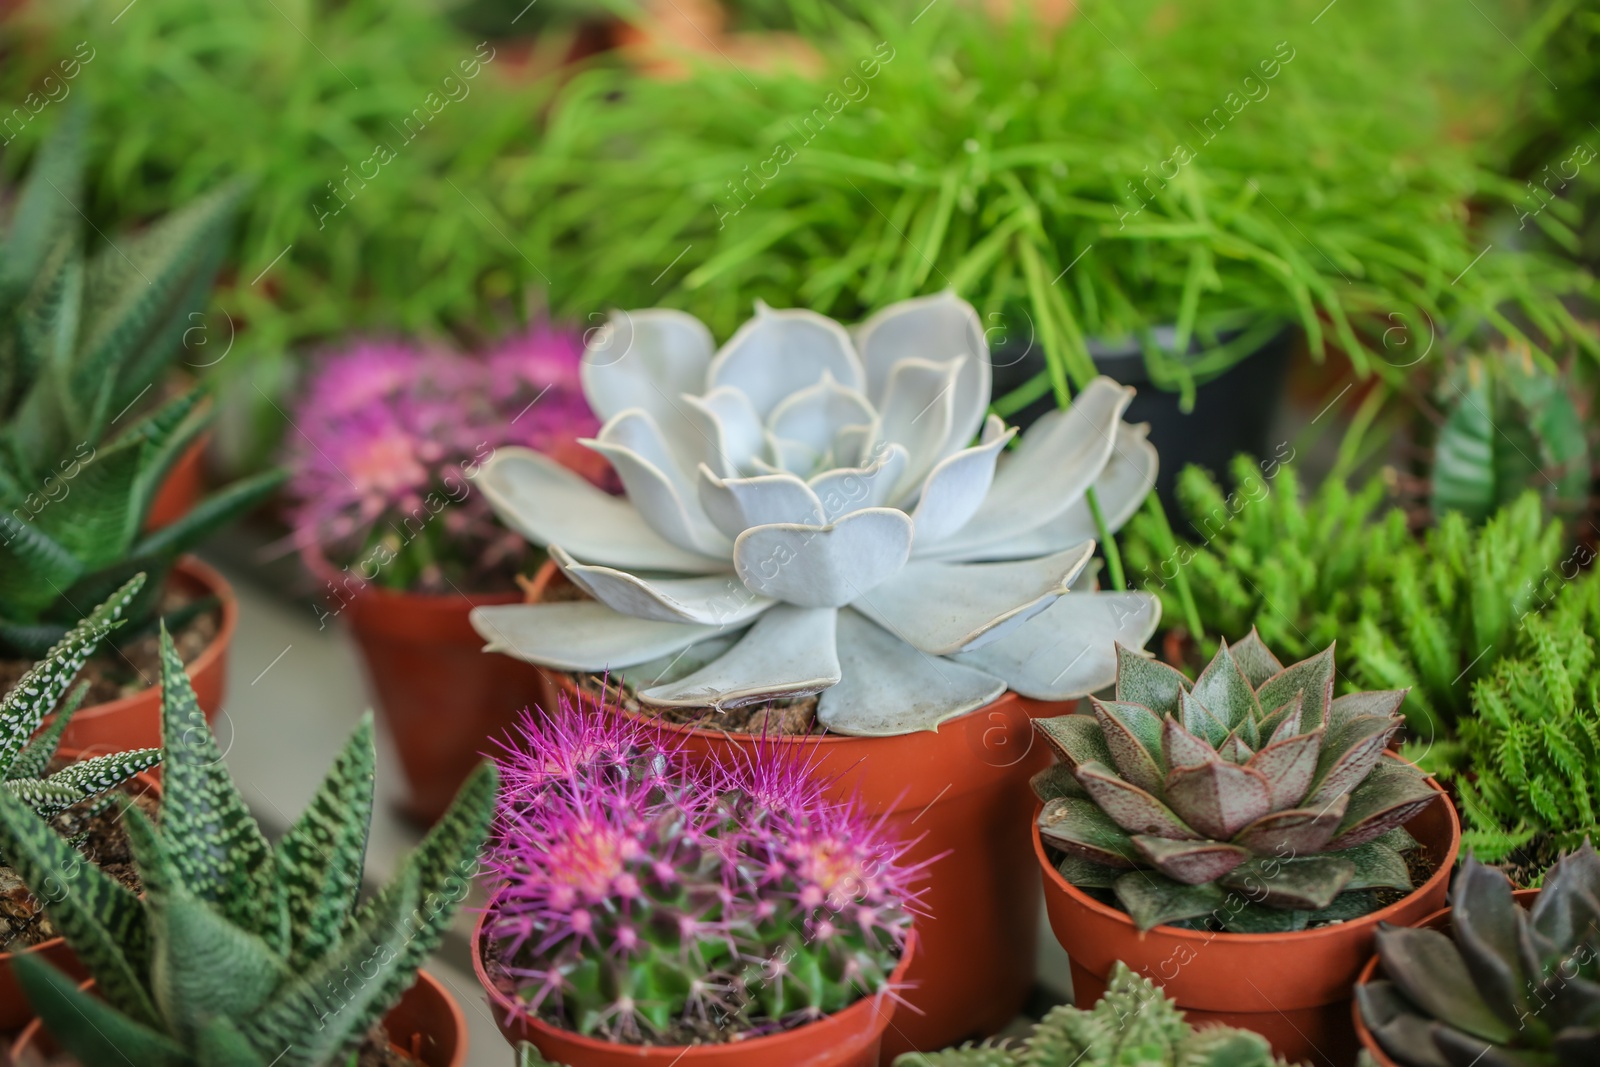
(203, 966)
(1392, 794)
(91, 1030)
(1426, 966)
(1255, 659)
(91, 777)
(34, 568)
(1225, 691)
(1305, 884)
(1314, 677)
(1133, 734)
(1190, 862)
(1079, 828)
(1054, 781)
(102, 921)
(319, 861)
(35, 757)
(1142, 680)
(1377, 867)
(1077, 739)
(1130, 807)
(1086, 874)
(210, 515)
(1151, 899)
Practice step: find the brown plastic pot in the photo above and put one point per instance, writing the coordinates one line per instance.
(960, 794)
(181, 489)
(442, 700)
(135, 721)
(1439, 920)
(14, 1008)
(1294, 989)
(850, 1038)
(426, 1025)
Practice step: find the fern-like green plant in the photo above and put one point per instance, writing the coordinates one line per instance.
(82, 340)
(1430, 615)
(241, 953)
(25, 755)
(1532, 774)
(1134, 1023)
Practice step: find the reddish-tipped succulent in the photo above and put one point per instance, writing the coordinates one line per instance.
(1250, 799)
(645, 901)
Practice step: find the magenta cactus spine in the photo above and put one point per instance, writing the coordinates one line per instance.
(636, 898)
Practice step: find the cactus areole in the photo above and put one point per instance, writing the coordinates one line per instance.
(811, 510)
(1249, 800)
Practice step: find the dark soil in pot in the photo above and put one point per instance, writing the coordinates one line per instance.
(22, 923)
(1233, 412)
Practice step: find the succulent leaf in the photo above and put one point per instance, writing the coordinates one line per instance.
(1255, 659)
(1133, 734)
(1313, 677)
(1352, 750)
(1201, 720)
(1308, 884)
(1378, 866)
(1182, 748)
(1130, 807)
(1142, 680)
(1217, 798)
(1225, 691)
(1077, 739)
(1390, 796)
(1295, 832)
(1289, 765)
(1428, 969)
(1152, 899)
(90, 1028)
(1055, 781)
(1190, 862)
(1080, 828)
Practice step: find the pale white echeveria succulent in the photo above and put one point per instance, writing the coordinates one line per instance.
(811, 510)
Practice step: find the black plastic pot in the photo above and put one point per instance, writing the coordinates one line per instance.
(1233, 412)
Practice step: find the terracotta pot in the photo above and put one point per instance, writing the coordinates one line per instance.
(442, 700)
(850, 1038)
(15, 1011)
(427, 1025)
(1439, 920)
(961, 794)
(1292, 988)
(181, 491)
(135, 721)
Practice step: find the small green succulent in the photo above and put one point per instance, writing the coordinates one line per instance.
(83, 339)
(25, 757)
(240, 953)
(1507, 986)
(1133, 1024)
(1250, 799)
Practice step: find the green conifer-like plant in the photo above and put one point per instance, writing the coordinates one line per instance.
(83, 339)
(240, 953)
(1250, 799)
(1429, 615)
(1134, 1023)
(1532, 746)
(25, 755)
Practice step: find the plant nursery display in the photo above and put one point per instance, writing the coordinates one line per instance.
(1430, 615)
(384, 509)
(822, 524)
(637, 898)
(1134, 1023)
(1528, 781)
(240, 952)
(1503, 978)
(1247, 821)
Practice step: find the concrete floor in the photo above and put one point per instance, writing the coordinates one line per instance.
(294, 693)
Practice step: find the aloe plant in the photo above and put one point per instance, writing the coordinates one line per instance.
(25, 756)
(811, 510)
(1507, 986)
(83, 339)
(240, 953)
(1133, 1023)
(1250, 798)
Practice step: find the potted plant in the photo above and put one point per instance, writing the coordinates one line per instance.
(241, 951)
(807, 522)
(645, 908)
(386, 514)
(1429, 614)
(1500, 977)
(86, 339)
(1529, 751)
(1238, 839)
(1134, 1022)
(66, 788)
(1121, 210)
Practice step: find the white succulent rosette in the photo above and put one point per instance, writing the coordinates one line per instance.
(806, 511)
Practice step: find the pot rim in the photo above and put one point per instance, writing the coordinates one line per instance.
(1369, 971)
(458, 1018)
(151, 785)
(190, 566)
(1079, 898)
(321, 568)
(502, 1003)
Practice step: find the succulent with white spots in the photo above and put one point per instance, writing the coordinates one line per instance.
(815, 510)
